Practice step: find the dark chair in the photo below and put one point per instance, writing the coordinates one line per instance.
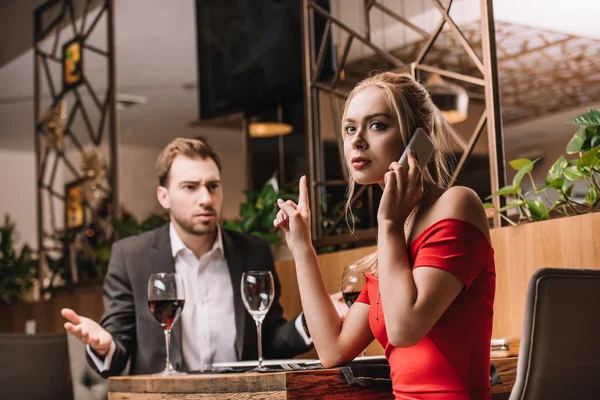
(559, 356)
(87, 383)
(34, 367)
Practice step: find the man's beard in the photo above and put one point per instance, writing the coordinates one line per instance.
(200, 229)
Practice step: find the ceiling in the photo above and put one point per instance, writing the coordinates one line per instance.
(156, 59)
(540, 71)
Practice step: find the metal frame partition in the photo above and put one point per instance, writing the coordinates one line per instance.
(63, 133)
(485, 77)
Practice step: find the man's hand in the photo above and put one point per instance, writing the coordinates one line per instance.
(88, 331)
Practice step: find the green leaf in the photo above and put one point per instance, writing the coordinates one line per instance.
(539, 212)
(591, 196)
(231, 225)
(576, 143)
(595, 142)
(248, 223)
(524, 169)
(512, 204)
(503, 192)
(567, 188)
(266, 219)
(590, 118)
(557, 183)
(268, 196)
(589, 158)
(488, 205)
(556, 171)
(519, 163)
(247, 210)
(573, 173)
(272, 238)
(251, 196)
(557, 203)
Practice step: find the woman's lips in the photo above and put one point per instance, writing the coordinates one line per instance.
(360, 163)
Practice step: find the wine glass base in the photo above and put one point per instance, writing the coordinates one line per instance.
(168, 372)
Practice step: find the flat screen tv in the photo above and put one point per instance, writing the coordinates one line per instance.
(250, 54)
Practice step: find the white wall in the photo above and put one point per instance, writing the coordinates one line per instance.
(18, 193)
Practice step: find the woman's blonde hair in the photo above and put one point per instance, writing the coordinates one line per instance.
(413, 108)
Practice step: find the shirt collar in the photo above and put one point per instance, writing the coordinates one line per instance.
(177, 244)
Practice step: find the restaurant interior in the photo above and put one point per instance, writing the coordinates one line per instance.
(91, 91)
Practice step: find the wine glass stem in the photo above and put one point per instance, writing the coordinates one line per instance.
(168, 366)
(259, 336)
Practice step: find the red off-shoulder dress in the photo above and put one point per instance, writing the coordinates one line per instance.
(452, 362)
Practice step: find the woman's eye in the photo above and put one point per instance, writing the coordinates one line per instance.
(378, 126)
(350, 129)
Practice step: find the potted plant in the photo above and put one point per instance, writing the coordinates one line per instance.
(583, 166)
(260, 209)
(18, 269)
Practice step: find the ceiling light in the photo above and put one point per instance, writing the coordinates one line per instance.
(269, 129)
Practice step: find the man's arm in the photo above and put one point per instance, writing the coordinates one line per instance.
(119, 313)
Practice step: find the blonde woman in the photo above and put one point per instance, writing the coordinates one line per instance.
(430, 285)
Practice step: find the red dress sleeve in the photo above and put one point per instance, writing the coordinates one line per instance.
(455, 246)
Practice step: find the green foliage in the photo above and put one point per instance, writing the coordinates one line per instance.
(260, 209)
(584, 167)
(17, 269)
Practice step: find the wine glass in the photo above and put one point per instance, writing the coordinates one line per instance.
(166, 298)
(258, 290)
(353, 282)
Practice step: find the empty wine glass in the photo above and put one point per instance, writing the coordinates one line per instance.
(166, 298)
(258, 290)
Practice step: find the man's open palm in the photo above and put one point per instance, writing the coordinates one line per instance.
(88, 331)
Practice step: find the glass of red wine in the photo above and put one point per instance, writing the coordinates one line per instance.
(353, 282)
(166, 297)
(258, 290)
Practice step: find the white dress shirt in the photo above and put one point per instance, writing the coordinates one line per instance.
(207, 321)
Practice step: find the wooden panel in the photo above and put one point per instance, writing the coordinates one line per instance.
(210, 383)
(507, 369)
(329, 384)
(85, 300)
(295, 385)
(198, 396)
(520, 251)
(299, 385)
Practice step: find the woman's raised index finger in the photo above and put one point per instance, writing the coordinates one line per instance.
(303, 196)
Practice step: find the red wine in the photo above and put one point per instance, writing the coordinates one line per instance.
(166, 311)
(350, 297)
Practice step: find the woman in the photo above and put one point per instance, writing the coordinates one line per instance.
(430, 285)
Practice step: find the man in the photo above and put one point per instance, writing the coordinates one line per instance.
(214, 325)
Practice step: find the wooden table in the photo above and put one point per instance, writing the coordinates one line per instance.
(316, 384)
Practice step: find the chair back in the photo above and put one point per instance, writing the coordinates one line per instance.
(34, 367)
(559, 355)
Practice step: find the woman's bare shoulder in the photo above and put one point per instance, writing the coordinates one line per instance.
(461, 202)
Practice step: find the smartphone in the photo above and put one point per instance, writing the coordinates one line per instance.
(421, 145)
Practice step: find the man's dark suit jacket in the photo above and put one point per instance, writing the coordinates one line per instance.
(139, 336)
